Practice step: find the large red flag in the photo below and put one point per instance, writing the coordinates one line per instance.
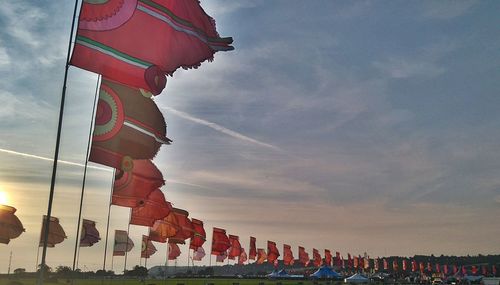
(235, 249)
(252, 252)
(261, 256)
(328, 257)
(10, 225)
(287, 255)
(147, 247)
(272, 252)
(186, 227)
(303, 256)
(316, 258)
(199, 235)
(137, 42)
(56, 232)
(153, 208)
(173, 251)
(164, 228)
(220, 241)
(128, 126)
(338, 259)
(130, 187)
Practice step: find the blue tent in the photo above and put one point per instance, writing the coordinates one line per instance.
(278, 274)
(325, 272)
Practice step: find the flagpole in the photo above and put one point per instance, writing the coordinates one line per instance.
(107, 224)
(58, 141)
(126, 249)
(85, 174)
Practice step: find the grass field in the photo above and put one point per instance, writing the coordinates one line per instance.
(191, 281)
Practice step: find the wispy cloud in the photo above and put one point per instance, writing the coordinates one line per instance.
(219, 128)
(28, 155)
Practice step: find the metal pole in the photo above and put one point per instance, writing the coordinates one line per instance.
(107, 224)
(126, 250)
(10, 262)
(56, 152)
(75, 255)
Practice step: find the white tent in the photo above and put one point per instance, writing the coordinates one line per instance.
(357, 278)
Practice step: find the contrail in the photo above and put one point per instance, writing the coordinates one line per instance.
(219, 128)
(51, 159)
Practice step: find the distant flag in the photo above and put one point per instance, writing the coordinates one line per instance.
(455, 269)
(413, 265)
(494, 270)
(338, 259)
(445, 269)
(153, 208)
(464, 270)
(128, 126)
(56, 232)
(395, 264)
(147, 247)
(10, 225)
(484, 270)
(186, 227)
(164, 228)
(272, 252)
(342, 265)
(221, 257)
(235, 249)
(404, 265)
(89, 235)
(261, 256)
(122, 243)
(303, 256)
(131, 187)
(438, 268)
(243, 257)
(376, 264)
(356, 262)
(252, 252)
(199, 235)
(198, 254)
(111, 40)
(350, 261)
(474, 270)
(287, 255)
(220, 241)
(328, 257)
(385, 263)
(316, 258)
(421, 266)
(173, 251)
(429, 267)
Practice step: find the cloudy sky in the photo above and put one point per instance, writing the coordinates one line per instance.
(349, 125)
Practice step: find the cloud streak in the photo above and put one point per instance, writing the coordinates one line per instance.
(220, 128)
(50, 159)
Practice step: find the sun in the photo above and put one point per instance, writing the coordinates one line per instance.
(3, 198)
